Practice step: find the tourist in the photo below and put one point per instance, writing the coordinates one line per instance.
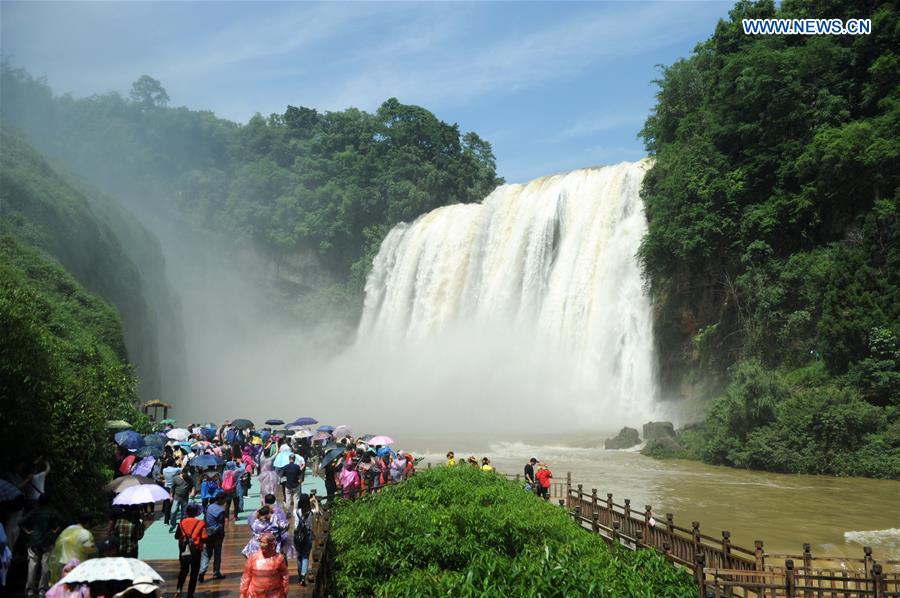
(451, 459)
(192, 537)
(69, 590)
(35, 488)
(398, 467)
(486, 465)
(473, 461)
(266, 572)
(230, 481)
(215, 531)
(303, 535)
(40, 527)
(76, 542)
(291, 474)
(5, 557)
(529, 475)
(269, 520)
(182, 490)
(209, 487)
(169, 471)
(330, 472)
(127, 528)
(349, 480)
(268, 478)
(543, 477)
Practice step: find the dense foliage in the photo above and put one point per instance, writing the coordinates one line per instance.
(462, 532)
(63, 373)
(328, 183)
(82, 231)
(773, 240)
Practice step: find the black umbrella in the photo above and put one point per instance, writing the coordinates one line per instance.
(274, 422)
(331, 455)
(242, 424)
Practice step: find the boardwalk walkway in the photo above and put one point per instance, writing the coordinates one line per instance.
(159, 549)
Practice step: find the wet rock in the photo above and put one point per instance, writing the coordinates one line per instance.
(662, 446)
(626, 438)
(654, 430)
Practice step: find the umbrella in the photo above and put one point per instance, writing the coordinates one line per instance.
(144, 467)
(303, 434)
(242, 424)
(141, 495)
(381, 440)
(205, 461)
(110, 569)
(366, 437)
(331, 455)
(129, 439)
(8, 492)
(150, 451)
(179, 434)
(305, 421)
(155, 439)
(168, 421)
(274, 422)
(325, 429)
(342, 431)
(321, 436)
(117, 424)
(128, 481)
(208, 433)
(385, 450)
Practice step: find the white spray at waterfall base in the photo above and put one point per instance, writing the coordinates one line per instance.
(528, 309)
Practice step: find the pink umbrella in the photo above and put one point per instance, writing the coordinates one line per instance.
(321, 436)
(380, 441)
(141, 495)
(342, 431)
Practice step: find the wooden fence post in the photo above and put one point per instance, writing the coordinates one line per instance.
(580, 494)
(867, 560)
(429, 465)
(647, 516)
(595, 526)
(700, 574)
(627, 524)
(879, 583)
(568, 483)
(789, 578)
(593, 500)
(670, 529)
(609, 510)
(726, 548)
(760, 555)
(696, 536)
(615, 532)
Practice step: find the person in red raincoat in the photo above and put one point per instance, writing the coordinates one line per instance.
(266, 573)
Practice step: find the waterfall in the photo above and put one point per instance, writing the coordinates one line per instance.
(551, 261)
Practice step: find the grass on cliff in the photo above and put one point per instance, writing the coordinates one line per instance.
(461, 532)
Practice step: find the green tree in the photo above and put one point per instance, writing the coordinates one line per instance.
(148, 93)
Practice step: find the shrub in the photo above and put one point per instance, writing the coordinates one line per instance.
(461, 532)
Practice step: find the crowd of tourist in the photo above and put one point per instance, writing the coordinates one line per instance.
(202, 475)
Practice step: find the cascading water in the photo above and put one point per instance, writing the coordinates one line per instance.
(552, 261)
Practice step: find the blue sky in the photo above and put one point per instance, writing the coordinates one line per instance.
(553, 86)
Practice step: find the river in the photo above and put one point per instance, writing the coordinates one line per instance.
(836, 516)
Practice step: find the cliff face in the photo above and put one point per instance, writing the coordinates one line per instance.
(103, 247)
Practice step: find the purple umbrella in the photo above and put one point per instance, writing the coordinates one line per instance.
(144, 467)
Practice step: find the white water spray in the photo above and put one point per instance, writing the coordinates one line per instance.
(552, 261)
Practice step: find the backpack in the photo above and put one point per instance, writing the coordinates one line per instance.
(246, 480)
(229, 483)
(301, 534)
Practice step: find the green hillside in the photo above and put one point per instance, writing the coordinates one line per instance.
(772, 252)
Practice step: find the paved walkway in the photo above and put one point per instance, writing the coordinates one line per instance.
(160, 550)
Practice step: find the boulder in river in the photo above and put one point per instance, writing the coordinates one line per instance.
(626, 438)
(654, 430)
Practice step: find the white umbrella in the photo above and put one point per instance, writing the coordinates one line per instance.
(303, 434)
(342, 431)
(179, 434)
(110, 569)
(141, 495)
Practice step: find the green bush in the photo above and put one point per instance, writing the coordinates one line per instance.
(461, 532)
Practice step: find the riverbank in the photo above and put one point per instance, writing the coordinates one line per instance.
(836, 516)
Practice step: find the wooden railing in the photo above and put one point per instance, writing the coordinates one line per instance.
(720, 567)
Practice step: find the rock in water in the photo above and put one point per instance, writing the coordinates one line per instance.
(654, 430)
(626, 438)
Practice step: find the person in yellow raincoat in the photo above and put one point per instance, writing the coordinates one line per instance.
(74, 542)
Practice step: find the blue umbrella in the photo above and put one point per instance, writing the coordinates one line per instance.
(129, 439)
(205, 461)
(305, 421)
(150, 451)
(8, 492)
(325, 429)
(155, 440)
